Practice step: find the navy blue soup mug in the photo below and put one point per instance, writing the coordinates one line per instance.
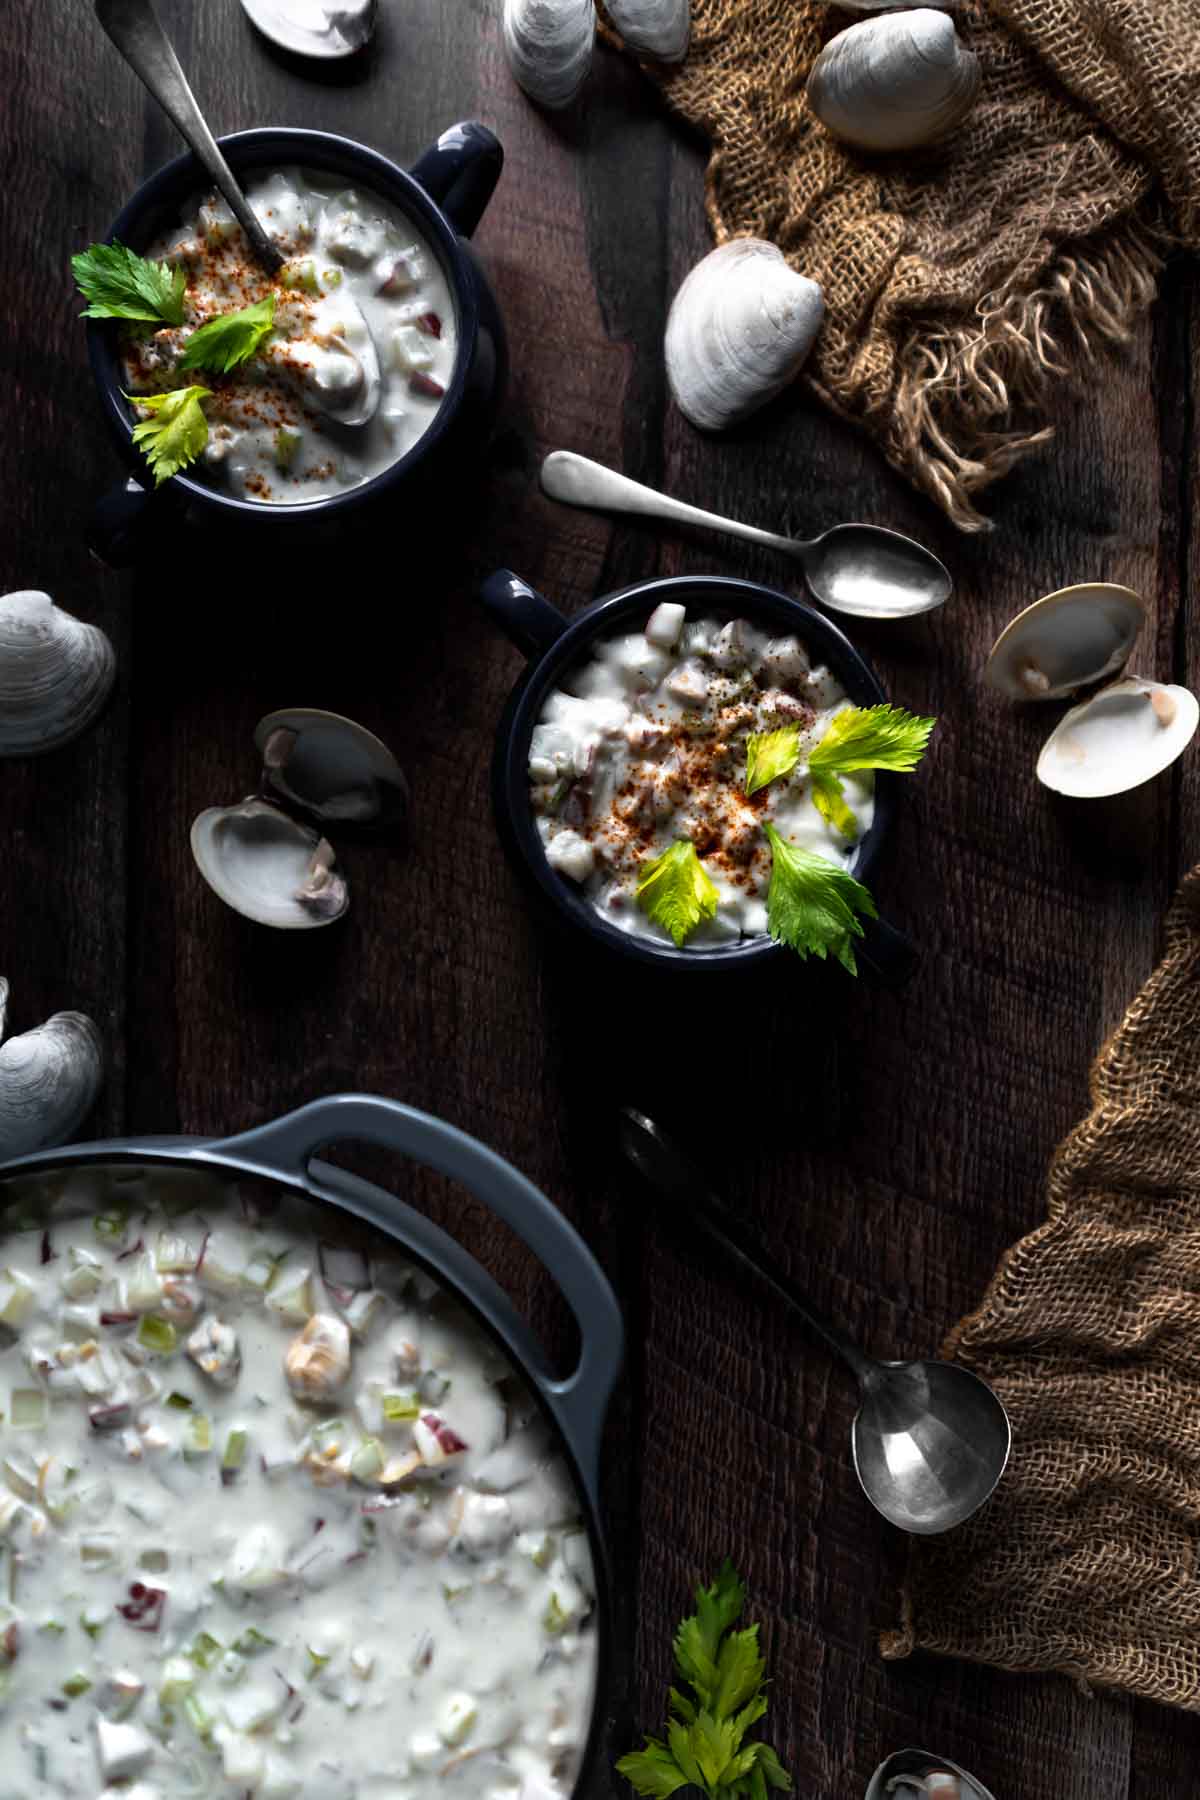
(554, 646)
(445, 194)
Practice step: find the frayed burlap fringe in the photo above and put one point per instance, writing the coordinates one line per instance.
(964, 283)
(1085, 1560)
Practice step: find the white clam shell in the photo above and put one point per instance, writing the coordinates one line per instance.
(49, 1080)
(1065, 640)
(658, 28)
(55, 674)
(1126, 734)
(894, 82)
(549, 46)
(323, 28)
(268, 867)
(738, 332)
(911, 1773)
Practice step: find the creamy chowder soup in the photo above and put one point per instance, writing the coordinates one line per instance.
(360, 288)
(646, 743)
(276, 1519)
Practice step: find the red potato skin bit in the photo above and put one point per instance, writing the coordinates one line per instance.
(144, 1607)
(449, 1440)
(430, 324)
(420, 383)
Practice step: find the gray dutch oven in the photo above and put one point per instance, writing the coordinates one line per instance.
(284, 1152)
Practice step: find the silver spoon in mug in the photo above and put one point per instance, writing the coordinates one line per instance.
(930, 1440)
(865, 570)
(137, 31)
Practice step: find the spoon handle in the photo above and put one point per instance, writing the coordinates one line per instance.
(581, 482)
(137, 32)
(692, 1203)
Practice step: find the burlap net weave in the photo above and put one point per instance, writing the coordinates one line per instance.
(961, 283)
(1087, 1559)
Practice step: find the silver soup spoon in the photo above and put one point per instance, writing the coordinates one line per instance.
(930, 1440)
(137, 32)
(865, 570)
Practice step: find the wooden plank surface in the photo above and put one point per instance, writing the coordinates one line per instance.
(886, 1147)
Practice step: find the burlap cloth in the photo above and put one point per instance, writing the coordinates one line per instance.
(1086, 1559)
(961, 283)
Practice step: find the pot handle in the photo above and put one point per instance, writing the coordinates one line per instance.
(285, 1146)
(528, 620)
(889, 958)
(123, 524)
(460, 172)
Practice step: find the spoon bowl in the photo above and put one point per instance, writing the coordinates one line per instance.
(930, 1440)
(866, 571)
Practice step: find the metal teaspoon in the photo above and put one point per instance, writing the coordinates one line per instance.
(930, 1440)
(865, 570)
(137, 32)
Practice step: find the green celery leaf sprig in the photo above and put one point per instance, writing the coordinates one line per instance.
(813, 905)
(175, 433)
(230, 339)
(119, 284)
(861, 737)
(676, 891)
(705, 1745)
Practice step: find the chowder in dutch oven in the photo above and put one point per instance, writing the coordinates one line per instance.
(278, 1517)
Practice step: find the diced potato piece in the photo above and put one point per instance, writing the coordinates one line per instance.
(122, 1750)
(571, 855)
(665, 624)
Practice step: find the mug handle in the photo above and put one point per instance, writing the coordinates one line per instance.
(460, 172)
(528, 620)
(284, 1148)
(889, 959)
(123, 524)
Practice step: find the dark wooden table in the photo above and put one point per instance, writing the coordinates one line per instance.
(885, 1146)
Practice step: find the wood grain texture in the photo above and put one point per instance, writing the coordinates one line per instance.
(886, 1147)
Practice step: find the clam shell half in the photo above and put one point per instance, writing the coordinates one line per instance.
(894, 82)
(49, 1080)
(905, 1775)
(55, 674)
(312, 27)
(268, 867)
(1066, 640)
(549, 46)
(1124, 735)
(658, 28)
(333, 769)
(738, 332)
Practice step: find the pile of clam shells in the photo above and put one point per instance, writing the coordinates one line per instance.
(1124, 734)
(549, 43)
(263, 856)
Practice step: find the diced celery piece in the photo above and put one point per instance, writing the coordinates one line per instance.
(51, 1627)
(111, 1225)
(179, 1401)
(287, 443)
(317, 1660)
(259, 1272)
(554, 1619)
(17, 1295)
(198, 1440)
(253, 1642)
(235, 1454)
(332, 277)
(300, 274)
(179, 1678)
(93, 1623)
(204, 1649)
(366, 1463)
(75, 1685)
(141, 1288)
(400, 1406)
(158, 1335)
(28, 1410)
(196, 1716)
(84, 1277)
(175, 1255)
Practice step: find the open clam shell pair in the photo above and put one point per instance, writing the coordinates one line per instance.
(912, 1773)
(264, 857)
(321, 28)
(1123, 735)
(49, 1080)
